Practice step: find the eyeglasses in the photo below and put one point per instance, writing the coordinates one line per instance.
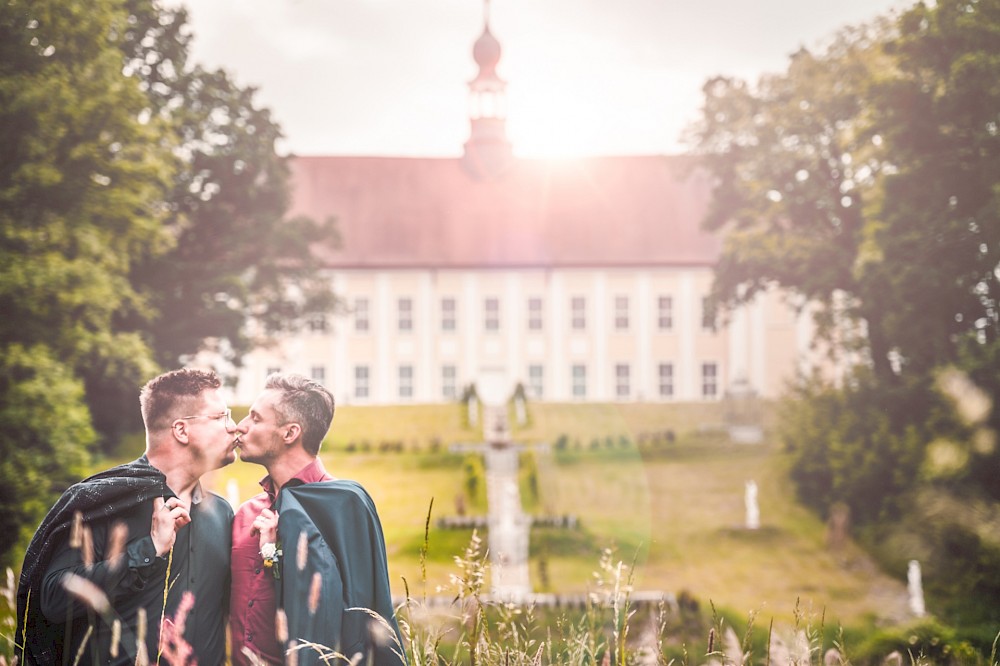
(226, 415)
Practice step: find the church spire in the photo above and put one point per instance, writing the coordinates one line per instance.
(487, 152)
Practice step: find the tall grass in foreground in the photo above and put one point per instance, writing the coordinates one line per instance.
(611, 629)
(472, 628)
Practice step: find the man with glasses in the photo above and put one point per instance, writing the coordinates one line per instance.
(132, 564)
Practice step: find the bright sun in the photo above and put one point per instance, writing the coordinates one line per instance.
(588, 108)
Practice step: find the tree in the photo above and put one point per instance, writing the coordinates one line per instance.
(233, 268)
(46, 428)
(141, 211)
(79, 178)
(867, 179)
(793, 161)
(236, 258)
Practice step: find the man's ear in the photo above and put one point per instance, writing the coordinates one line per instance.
(292, 431)
(179, 431)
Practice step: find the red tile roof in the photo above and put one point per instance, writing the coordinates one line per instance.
(395, 212)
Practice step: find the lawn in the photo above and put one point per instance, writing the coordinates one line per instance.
(676, 508)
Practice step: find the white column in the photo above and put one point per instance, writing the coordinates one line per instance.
(511, 326)
(758, 348)
(384, 323)
(642, 305)
(599, 389)
(738, 347)
(557, 370)
(471, 325)
(342, 375)
(688, 326)
(425, 326)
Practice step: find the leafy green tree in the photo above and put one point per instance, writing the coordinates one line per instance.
(790, 190)
(228, 266)
(78, 183)
(866, 179)
(238, 264)
(46, 428)
(80, 177)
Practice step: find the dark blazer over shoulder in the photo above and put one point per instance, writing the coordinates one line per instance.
(346, 550)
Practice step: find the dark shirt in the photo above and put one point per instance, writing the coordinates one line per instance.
(254, 597)
(199, 564)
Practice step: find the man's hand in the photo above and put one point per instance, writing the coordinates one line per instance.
(168, 517)
(266, 525)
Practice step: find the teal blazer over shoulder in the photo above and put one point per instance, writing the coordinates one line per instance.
(346, 550)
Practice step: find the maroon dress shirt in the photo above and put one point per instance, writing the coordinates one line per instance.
(253, 602)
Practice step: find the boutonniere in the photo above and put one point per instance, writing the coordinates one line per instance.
(271, 552)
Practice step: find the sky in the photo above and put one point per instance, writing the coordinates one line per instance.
(585, 77)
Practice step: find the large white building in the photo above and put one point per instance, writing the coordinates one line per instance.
(581, 279)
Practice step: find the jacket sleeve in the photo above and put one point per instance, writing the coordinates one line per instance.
(346, 549)
(311, 596)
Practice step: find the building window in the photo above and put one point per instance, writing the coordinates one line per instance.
(361, 381)
(318, 373)
(448, 382)
(665, 313)
(623, 386)
(578, 313)
(621, 313)
(491, 314)
(707, 318)
(534, 314)
(579, 381)
(666, 380)
(709, 380)
(317, 323)
(405, 381)
(404, 314)
(536, 384)
(361, 315)
(447, 314)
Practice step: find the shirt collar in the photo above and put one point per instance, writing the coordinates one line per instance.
(311, 473)
(196, 495)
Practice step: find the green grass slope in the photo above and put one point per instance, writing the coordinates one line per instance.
(672, 505)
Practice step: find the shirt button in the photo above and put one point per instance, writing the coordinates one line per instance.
(256, 571)
(250, 603)
(250, 637)
(146, 560)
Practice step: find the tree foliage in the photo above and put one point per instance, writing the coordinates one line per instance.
(235, 257)
(46, 429)
(142, 208)
(79, 181)
(78, 184)
(866, 179)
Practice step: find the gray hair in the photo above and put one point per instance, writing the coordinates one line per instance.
(305, 402)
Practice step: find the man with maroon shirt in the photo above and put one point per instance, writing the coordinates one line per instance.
(342, 564)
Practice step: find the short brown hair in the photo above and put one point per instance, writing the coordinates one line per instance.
(305, 402)
(160, 395)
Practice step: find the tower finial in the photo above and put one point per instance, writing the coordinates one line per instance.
(487, 151)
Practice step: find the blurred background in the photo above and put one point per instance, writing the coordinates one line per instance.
(713, 290)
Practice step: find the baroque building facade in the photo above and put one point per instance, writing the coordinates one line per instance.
(579, 279)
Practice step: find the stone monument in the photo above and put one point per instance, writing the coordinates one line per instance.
(750, 500)
(915, 588)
